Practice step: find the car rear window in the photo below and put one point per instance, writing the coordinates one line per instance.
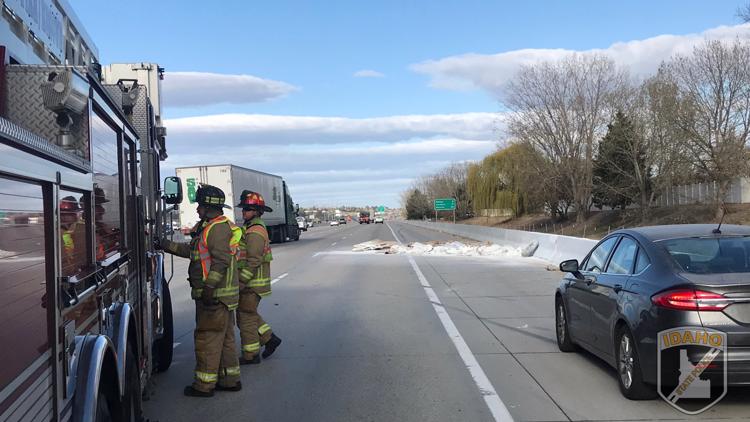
(702, 255)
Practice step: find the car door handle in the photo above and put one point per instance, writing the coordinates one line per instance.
(617, 288)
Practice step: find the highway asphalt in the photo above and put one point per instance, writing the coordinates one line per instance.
(373, 337)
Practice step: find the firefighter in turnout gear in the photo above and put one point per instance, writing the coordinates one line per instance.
(255, 280)
(73, 236)
(212, 274)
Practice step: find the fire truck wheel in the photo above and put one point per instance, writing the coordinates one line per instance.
(132, 402)
(163, 347)
(103, 412)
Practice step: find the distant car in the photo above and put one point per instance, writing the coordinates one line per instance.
(638, 282)
(334, 223)
(379, 220)
(342, 220)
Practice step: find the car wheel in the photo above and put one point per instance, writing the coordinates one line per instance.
(629, 372)
(564, 343)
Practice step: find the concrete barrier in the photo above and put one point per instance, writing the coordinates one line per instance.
(552, 247)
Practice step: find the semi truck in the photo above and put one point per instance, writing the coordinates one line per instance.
(85, 312)
(281, 222)
(364, 217)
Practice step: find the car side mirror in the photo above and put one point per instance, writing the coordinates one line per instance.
(570, 266)
(172, 190)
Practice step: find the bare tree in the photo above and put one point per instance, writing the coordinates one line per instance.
(743, 12)
(714, 116)
(563, 108)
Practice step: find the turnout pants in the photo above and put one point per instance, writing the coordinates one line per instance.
(215, 351)
(254, 332)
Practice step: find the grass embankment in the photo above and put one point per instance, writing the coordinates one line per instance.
(602, 222)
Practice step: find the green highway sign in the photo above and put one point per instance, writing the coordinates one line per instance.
(445, 204)
(381, 209)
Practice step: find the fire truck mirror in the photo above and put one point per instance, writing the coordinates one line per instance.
(172, 190)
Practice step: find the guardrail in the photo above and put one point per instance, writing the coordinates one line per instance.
(551, 247)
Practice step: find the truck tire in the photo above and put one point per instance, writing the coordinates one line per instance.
(107, 409)
(132, 399)
(164, 347)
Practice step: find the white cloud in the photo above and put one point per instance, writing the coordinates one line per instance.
(368, 73)
(185, 89)
(334, 160)
(235, 129)
(491, 72)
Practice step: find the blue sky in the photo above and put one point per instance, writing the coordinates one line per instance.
(299, 59)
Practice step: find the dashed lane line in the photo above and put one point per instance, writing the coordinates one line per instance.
(276, 280)
(496, 406)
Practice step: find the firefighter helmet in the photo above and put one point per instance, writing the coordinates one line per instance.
(69, 204)
(99, 196)
(211, 196)
(250, 200)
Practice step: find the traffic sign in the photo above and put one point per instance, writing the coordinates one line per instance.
(381, 208)
(445, 204)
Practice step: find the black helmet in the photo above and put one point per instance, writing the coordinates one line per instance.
(250, 200)
(210, 196)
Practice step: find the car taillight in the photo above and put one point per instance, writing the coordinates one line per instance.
(690, 300)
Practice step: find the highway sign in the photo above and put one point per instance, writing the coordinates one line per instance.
(445, 204)
(381, 208)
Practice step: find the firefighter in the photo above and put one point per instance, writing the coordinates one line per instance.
(213, 277)
(255, 280)
(107, 238)
(73, 236)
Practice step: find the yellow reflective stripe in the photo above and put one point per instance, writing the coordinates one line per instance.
(252, 347)
(67, 239)
(264, 294)
(206, 377)
(213, 278)
(260, 283)
(232, 371)
(263, 329)
(227, 291)
(246, 273)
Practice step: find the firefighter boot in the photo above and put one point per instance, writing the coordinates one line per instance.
(254, 361)
(236, 387)
(192, 392)
(271, 346)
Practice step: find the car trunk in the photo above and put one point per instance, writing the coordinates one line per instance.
(733, 319)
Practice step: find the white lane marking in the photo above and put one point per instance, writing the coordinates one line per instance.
(333, 244)
(486, 389)
(174, 346)
(275, 280)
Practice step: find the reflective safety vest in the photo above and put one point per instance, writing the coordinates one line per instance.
(201, 253)
(259, 278)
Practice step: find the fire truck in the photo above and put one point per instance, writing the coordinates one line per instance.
(85, 310)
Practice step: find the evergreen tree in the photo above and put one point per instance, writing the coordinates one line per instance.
(620, 155)
(417, 205)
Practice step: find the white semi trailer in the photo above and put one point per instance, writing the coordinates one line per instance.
(232, 179)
